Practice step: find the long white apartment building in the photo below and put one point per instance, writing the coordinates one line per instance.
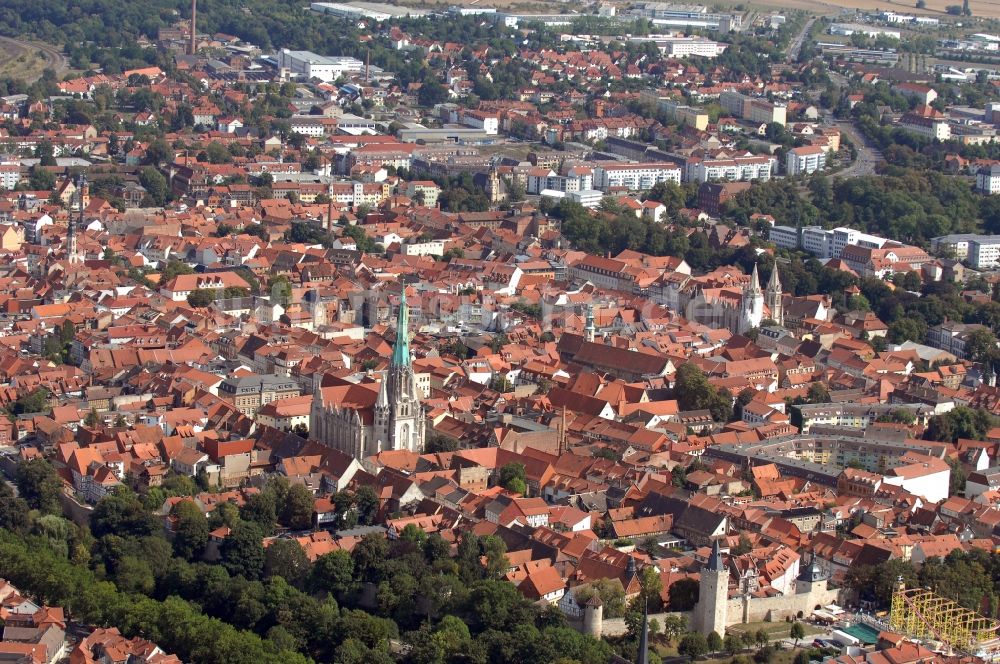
(682, 47)
(10, 173)
(740, 168)
(982, 252)
(306, 64)
(578, 178)
(635, 177)
(752, 109)
(821, 242)
(988, 179)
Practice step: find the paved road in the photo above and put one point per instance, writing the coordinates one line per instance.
(869, 157)
(56, 60)
(800, 39)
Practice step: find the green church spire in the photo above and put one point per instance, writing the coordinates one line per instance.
(401, 351)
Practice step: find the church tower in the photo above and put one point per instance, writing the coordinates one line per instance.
(753, 304)
(493, 189)
(589, 330)
(72, 250)
(399, 418)
(713, 593)
(772, 297)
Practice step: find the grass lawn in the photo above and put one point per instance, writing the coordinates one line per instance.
(776, 630)
(780, 657)
(664, 648)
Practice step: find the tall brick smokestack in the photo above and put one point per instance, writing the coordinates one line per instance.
(194, 32)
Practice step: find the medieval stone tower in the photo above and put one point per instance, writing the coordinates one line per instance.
(713, 595)
(593, 617)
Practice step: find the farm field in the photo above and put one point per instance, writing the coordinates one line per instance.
(980, 8)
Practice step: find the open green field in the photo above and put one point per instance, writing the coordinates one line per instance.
(776, 630)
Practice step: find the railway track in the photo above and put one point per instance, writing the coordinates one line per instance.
(53, 56)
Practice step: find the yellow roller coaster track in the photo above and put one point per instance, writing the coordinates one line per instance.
(921, 613)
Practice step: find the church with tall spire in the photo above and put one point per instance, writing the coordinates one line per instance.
(738, 306)
(752, 309)
(72, 248)
(399, 420)
(365, 418)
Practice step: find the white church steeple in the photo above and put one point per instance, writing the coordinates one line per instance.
(753, 304)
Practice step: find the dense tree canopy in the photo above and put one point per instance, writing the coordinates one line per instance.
(39, 485)
(694, 392)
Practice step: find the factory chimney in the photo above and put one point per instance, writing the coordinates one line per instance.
(193, 47)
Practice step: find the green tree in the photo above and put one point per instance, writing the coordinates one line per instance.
(431, 92)
(201, 297)
(693, 392)
(217, 153)
(714, 642)
(651, 585)
(512, 478)
(818, 393)
(610, 592)
(797, 632)
(333, 573)
(674, 626)
(155, 184)
(243, 550)
(39, 485)
(367, 503)
(297, 511)
(958, 477)
(175, 268)
(438, 442)
(33, 402)
(41, 179)
(285, 558)
(960, 422)
(745, 396)
(731, 644)
(262, 509)
(981, 345)
(693, 645)
(280, 289)
(190, 530)
(122, 514)
(159, 152)
(13, 510)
